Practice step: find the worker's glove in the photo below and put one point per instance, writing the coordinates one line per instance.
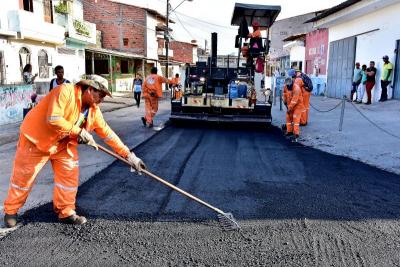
(152, 94)
(136, 163)
(85, 137)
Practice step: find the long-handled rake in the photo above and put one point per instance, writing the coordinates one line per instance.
(226, 219)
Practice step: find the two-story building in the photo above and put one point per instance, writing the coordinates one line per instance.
(43, 34)
(128, 41)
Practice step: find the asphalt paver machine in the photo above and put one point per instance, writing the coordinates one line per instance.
(231, 93)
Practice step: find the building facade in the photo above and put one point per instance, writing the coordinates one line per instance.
(316, 52)
(128, 41)
(361, 31)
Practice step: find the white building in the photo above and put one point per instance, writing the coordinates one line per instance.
(296, 47)
(361, 31)
(35, 32)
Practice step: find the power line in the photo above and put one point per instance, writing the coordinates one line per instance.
(206, 22)
(183, 25)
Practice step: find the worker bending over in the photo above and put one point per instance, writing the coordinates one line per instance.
(306, 101)
(51, 132)
(293, 99)
(152, 91)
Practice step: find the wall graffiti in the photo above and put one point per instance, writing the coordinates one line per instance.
(13, 99)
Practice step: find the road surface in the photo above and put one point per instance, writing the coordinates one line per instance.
(297, 207)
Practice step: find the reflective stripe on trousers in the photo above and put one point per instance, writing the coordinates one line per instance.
(28, 162)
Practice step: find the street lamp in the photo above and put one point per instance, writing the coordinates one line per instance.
(166, 37)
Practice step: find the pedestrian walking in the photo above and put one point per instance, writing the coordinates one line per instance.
(137, 89)
(293, 100)
(361, 87)
(59, 70)
(357, 76)
(370, 83)
(27, 74)
(51, 132)
(152, 91)
(386, 77)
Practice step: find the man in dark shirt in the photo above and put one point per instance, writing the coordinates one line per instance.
(371, 73)
(59, 70)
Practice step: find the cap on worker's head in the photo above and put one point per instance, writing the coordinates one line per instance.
(291, 72)
(385, 57)
(255, 24)
(97, 82)
(153, 70)
(297, 70)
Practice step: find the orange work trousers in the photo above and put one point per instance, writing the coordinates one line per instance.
(306, 102)
(28, 162)
(151, 108)
(178, 95)
(293, 121)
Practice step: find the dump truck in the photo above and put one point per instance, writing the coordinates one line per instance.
(231, 93)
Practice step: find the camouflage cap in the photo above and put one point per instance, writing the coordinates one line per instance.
(97, 82)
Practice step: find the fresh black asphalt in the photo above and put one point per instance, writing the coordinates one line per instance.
(297, 207)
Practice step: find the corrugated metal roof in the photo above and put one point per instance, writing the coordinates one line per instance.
(295, 37)
(333, 10)
(113, 52)
(265, 15)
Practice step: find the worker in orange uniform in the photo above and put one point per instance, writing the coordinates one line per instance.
(51, 132)
(293, 99)
(306, 101)
(175, 83)
(256, 30)
(152, 91)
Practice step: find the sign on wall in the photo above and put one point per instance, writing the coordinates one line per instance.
(13, 99)
(124, 85)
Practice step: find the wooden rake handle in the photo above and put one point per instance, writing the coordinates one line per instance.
(159, 179)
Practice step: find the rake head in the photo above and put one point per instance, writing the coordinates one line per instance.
(227, 222)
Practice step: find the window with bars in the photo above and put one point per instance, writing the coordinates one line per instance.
(24, 58)
(43, 62)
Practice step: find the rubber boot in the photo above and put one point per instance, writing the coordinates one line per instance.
(10, 220)
(74, 219)
(144, 121)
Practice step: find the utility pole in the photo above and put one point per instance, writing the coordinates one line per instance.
(166, 36)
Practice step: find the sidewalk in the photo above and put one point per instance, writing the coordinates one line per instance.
(359, 139)
(120, 114)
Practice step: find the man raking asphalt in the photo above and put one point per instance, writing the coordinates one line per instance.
(51, 132)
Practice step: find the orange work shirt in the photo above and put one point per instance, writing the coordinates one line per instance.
(153, 83)
(51, 125)
(255, 34)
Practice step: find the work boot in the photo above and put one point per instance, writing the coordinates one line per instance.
(10, 220)
(288, 134)
(149, 125)
(295, 138)
(74, 219)
(144, 121)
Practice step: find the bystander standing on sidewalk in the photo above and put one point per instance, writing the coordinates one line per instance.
(369, 85)
(357, 76)
(27, 74)
(59, 70)
(137, 89)
(386, 77)
(361, 88)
